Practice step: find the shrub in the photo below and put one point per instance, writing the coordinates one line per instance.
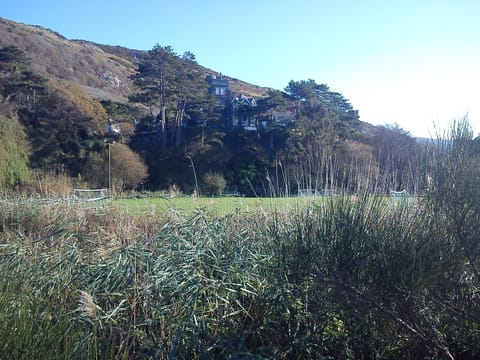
(214, 183)
(13, 153)
(127, 169)
(49, 184)
(341, 277)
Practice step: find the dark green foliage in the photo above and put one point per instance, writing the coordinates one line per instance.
(175, 86)
(13, 153)
(20, 85)
(454, 194)
(63, 124)
(249, 163)
(120, 112)
(311, 149)
(343, 277)
(311, 97)
(175, 90)
(13, 56)
(62, 134)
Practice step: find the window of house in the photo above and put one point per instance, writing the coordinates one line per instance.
(220, 91)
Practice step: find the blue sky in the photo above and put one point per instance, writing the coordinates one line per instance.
(415, 63)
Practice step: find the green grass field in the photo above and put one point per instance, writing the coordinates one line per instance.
(220, 206)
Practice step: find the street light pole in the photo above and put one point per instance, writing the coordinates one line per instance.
(109, 171)
(194, 175)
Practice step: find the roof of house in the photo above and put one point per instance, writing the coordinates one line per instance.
(244, 100)
(217, 81)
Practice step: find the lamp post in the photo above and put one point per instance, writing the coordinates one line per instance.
(109, 142)
(194, 175)
(109, 171)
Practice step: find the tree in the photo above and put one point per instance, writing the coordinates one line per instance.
(62, 122)
(13, 153)
(64, 127)
(324, 120)
(248, 166)
(156, 79)
(397, 155)
(190, 92)
(313, 97)
(125, 168)
(19, 84)
(174, 85)
(304, 91)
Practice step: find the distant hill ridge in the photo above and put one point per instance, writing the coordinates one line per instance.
(102, 70)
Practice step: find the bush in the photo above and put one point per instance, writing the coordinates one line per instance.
(127, 168)
(341, 277)
(49, 184)
(336, 279)
(214, 183)
(13, 153)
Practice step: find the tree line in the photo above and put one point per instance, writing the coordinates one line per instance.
(183, 129)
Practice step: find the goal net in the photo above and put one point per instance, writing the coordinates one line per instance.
(401, 197)
(308, 192)
(90, 194)
(399, 194)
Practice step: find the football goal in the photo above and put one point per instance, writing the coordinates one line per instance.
(308, 192)
(401, 198)
(90, 194)
(399, 194)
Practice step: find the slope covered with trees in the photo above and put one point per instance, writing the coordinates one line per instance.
(158, 104)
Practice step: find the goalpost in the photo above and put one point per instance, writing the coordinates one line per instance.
(401, 197)
(315, 192)
(90, 194)
(308, 193)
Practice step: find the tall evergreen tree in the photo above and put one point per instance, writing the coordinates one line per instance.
(190, 92)
(156, 79)
(19, 84)
(172, 84)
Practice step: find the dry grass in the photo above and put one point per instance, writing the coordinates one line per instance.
(333, 279)
(329, 278)
(79, 62)
(104, 71)
(49, 185)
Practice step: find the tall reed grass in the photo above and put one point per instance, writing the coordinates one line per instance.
(347, 277)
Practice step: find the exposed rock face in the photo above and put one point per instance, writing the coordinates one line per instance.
(111, 79)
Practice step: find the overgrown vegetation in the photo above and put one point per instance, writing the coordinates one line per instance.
(14, 153)
(353, 276)
(348, 277)
(56, 127)
(306, 136)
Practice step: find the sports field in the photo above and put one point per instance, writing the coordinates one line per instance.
(216, 205)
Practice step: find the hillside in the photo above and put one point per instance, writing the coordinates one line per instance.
(102, 70)
(232, 145)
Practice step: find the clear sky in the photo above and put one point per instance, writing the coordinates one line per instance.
(415, 63)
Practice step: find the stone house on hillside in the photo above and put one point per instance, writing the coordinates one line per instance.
(240, 110)
(219, 87)
(243, 115)
(238, 114)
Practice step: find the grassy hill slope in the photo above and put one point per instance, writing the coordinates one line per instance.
(102, 70)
